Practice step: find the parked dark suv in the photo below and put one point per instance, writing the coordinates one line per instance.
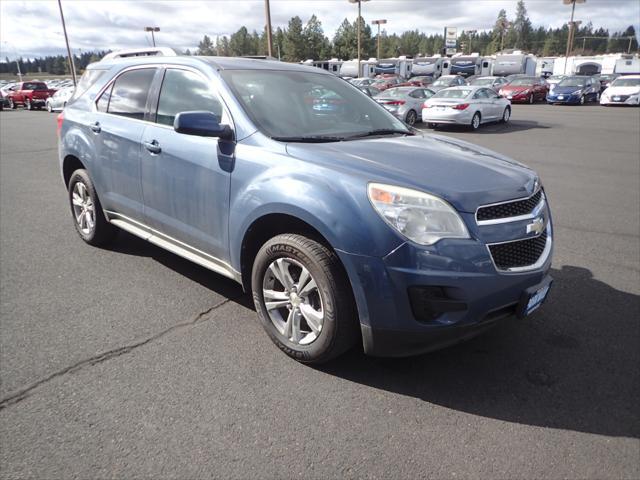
(345, 224)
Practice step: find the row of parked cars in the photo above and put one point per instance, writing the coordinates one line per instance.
(452, 99)
(35, 95)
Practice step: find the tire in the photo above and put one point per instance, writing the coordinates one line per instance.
(531, 99)
(412, 118)
(597, 97)
(101, 232)
(582, 100)
(432, 125)
(27, 104)
(49, 109)
(475, 121)
(337, 327)
(506, 115)
(12, 104)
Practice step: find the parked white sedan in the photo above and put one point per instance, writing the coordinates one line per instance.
(466, 105)
(623, 91)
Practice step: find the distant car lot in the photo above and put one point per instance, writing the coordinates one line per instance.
(134, 362)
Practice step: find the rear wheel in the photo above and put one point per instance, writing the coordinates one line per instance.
(303, 298)
(475, 121)
(412, 117)
(531, 99)
(28, 105)
(49, 109)
(88, 217)
(582, 100)
(12, 104)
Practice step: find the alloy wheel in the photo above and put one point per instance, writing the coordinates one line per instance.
(293, 301)
(83, 208)
(475, 122)
(506, 115)
(411, 117)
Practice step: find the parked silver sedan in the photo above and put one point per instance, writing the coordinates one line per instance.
(405, 102)
(466, 105)
(59, 99)
(491, 82)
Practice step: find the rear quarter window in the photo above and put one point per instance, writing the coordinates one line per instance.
(129, 93)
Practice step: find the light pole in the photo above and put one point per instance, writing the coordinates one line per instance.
(571, 28)
(378, 23)
(470, 34)
(359, 2)
(15, 52)
(72, 65)
(152, 29)
(267, 12)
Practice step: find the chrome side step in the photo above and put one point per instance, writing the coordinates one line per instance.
(172, 245)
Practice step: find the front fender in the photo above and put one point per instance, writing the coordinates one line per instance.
(334, 203)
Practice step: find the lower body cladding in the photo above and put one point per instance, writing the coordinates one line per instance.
(418, 299)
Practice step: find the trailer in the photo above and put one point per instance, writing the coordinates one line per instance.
(514, 63)
(427, 66)
(333, 65)
(465, 65)
(544, 66)
(367, 68)
(628, 65)
(401, 66)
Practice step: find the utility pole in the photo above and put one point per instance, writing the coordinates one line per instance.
(378, 23)
(359, 2)
(267, 13)
(72, 65)
(571, 28)
(15, 53)
(152, 29)
(471, 33)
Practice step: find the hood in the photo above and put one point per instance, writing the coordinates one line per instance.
(561, 89)
(516, 88)
(463, 174)
(622, 90)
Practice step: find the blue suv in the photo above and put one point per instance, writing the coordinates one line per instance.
(345, 224)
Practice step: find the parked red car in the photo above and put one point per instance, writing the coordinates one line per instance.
(385, 82)
(421, 81)
(29, 94)
(525, 90)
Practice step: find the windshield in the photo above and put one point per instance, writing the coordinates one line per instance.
(626, 82)
(482, 81)
(572, 82)
(452, 93)
(304, 106)
(522, 81)
(443, 81)
(34, 86)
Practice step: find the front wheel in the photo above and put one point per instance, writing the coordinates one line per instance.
(12, 104)
(88, 217)
(412, 117)
(49, 109)
(475, 121)
(304, 299)
(582, 100)
(506, 115)
(531, 99)
(28, 105)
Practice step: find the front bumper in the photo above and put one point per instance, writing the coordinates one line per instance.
(563, 98)
(620, 100)
(517, 97)
(470, 293)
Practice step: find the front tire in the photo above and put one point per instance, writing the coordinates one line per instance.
(506, 115)
(303, 298)
(12, 104)
(582, 100)
(475, 121)
(531, 99)
(88, 217)
(49, 109)
(28, 105)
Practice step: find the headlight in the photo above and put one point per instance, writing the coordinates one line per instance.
(419, 216)
(577, 92)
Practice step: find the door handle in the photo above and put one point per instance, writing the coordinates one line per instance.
(153, 146)
(96, 127)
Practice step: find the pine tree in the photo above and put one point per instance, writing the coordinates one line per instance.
(205, 47)
(294, 41)
(522, 27)
(314, 39)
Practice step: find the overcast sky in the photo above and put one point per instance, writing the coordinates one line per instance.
(32, 28)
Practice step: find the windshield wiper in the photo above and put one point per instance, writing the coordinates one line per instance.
(381, 131)
(309, 139)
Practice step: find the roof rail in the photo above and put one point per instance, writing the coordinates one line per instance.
(142, 52)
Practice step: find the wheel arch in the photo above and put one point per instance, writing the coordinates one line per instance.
(70, 164)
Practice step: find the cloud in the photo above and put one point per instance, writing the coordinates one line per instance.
(32, 28)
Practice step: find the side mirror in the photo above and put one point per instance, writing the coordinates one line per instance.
(202, 124)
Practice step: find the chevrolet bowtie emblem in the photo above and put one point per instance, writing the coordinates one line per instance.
(537, 226)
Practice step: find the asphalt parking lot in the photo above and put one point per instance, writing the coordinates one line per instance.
(132, 362)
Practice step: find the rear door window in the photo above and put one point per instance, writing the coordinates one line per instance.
(185, 91)
(129, 93)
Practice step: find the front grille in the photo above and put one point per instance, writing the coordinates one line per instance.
(509, 209)
(520, 253)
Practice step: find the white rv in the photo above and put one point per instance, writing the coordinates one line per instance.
(401, 66)
(513, 63)
(544, 67)
(427, 66)
(367, 68)
(332, 65)
(628, 65)
(468, 65)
